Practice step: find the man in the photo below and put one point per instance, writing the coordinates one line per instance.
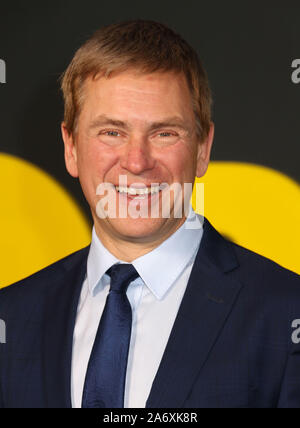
(154, 313)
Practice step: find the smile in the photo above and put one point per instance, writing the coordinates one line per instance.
(139, 193)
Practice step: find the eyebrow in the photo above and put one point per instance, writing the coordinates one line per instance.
(104, 120)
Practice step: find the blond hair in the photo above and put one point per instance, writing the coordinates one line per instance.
(144, 45)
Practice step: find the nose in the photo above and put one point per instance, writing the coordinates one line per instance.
(137, 157)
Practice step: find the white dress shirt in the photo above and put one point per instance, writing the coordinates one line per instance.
(155, 298)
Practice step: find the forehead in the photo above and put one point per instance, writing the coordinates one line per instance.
(138, 94)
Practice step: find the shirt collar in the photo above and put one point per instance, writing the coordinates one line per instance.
(159, 268)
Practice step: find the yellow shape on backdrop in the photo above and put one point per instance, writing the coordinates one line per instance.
(40, 222)
(255, 206)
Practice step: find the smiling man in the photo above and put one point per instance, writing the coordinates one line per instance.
(140, 126)
(154, 313)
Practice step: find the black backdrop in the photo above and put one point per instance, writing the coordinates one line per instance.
(247, 47)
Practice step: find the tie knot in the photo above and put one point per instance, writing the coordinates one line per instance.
(121, 276)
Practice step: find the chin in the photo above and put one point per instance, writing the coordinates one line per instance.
(139, 229)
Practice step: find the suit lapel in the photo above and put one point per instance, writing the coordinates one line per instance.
(61, 309)
(206, 305)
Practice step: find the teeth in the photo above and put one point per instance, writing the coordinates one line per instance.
(131, 191)
(135, 191)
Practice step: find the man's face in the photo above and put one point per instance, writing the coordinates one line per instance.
(141, 127)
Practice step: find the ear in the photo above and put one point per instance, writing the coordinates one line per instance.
(70, 151)
(204, 150)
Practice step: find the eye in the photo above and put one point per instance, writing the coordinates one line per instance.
(166, 137)
(111, 133)
(111, 136)
(165, 134)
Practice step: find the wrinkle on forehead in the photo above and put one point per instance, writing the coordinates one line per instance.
(140, 96)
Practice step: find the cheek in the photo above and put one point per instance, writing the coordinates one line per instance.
(93, 167)
(94, 162)
(181, 163)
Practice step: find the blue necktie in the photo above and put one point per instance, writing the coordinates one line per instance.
(106, 374)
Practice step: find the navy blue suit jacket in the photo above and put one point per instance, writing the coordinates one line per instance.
(231, 345)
